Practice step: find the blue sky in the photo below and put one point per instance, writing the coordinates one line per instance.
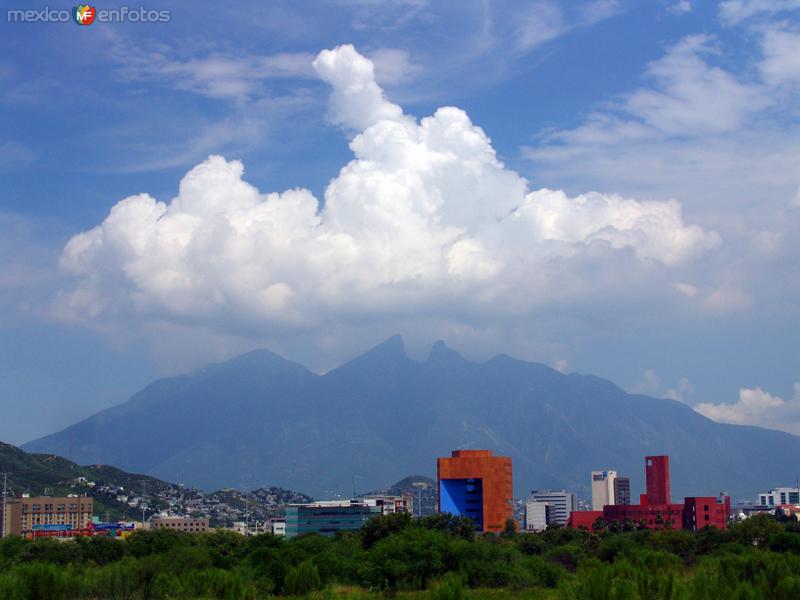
(678, 278)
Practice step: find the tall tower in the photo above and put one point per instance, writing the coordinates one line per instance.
(657, 475)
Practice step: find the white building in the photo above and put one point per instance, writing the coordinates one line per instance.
(278, 526)
(559, 505)
(536, 515)
(778, 496)
(603, 489)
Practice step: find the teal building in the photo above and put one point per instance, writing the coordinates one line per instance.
(327, 518)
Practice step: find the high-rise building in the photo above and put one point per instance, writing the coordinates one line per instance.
(622, 490)
(328, 517)
(478, 485)
(560, 505)
(27, 514)
(657, 475)
(602, 489)
(779, 496)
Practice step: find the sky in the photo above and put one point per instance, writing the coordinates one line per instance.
(605, 186)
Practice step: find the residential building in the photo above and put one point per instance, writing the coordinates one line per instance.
(655, 511)
(27, 514)
(184, 524)
(328, 517)
(779, 496)
(560, 504)
(622, 490)
(478, 485)
(602, 488)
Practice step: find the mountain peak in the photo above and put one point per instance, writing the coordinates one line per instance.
(393, 347)
(261, 360)
(386, 355)
(442, 354)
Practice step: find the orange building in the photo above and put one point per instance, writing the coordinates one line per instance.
(475, 484)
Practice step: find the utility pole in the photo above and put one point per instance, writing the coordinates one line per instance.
(3, 513)
(144, 488)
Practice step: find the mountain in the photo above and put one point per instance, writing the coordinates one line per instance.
(262, 420)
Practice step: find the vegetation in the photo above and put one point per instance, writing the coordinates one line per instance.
(434, 558)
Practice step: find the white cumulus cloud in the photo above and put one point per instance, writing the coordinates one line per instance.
(424, 220)
(757, 407)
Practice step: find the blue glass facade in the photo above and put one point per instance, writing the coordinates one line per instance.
(462, 497)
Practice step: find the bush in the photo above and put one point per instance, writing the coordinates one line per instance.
(302, 579)
(450, 587)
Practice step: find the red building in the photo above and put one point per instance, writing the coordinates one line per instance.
(656, 470)
(655, 511)
(475, 484)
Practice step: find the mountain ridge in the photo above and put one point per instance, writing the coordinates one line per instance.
(259, 418)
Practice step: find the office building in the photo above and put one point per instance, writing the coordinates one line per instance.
(602, 488)
(328, 517)
(622, 490)
(27, 514)
(478, 485)
(560, 504)
(655, 511)
(779, 497)
(184, 524)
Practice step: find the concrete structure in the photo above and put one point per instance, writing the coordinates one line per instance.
(655, 511)
(536, 515)
(278, 526)
(184, 524)
(478, 485)
(622, 490)
(328, 517)
(26, 514)
(602, 488)
(560, 504)
(391, 504)
(779, 496)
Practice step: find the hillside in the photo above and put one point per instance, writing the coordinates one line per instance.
(260, 419)
(120, 495)
(38, 474)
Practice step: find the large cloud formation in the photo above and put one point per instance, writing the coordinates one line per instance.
(425, 216)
